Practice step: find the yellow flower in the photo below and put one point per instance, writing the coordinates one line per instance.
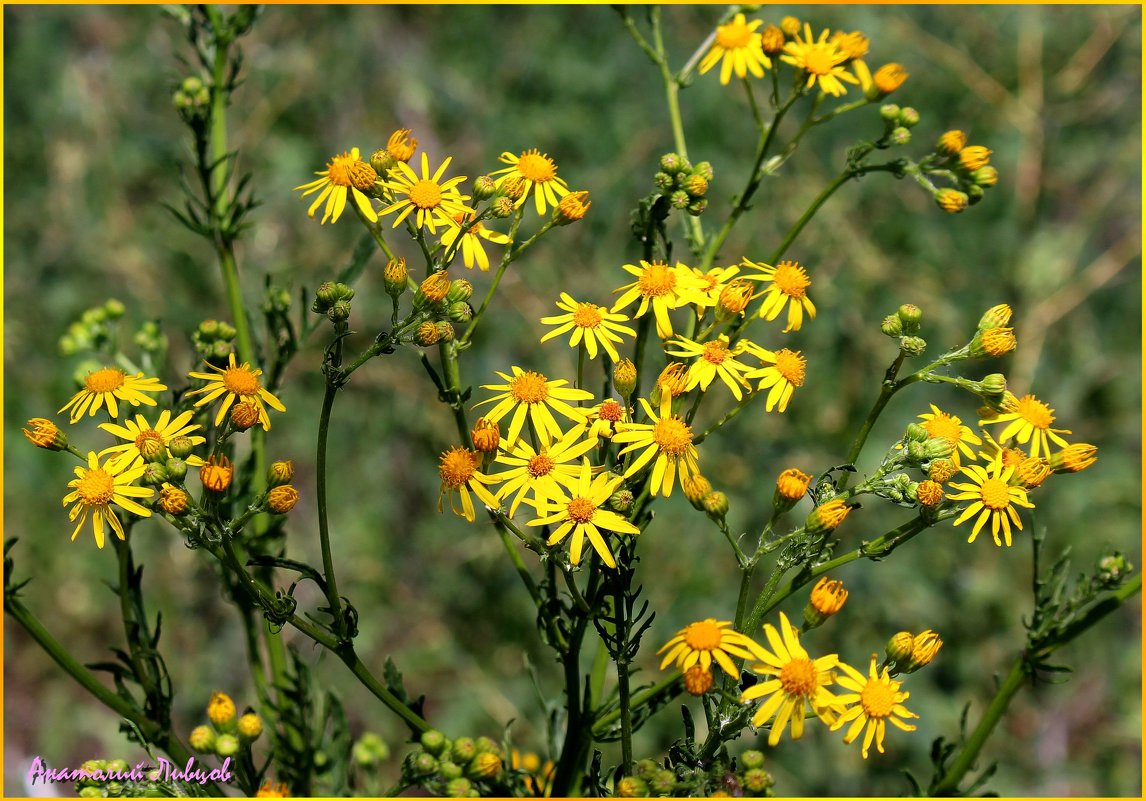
(1030, 422)
(401, 145)
(929, 493)
(789, 288)
(940, 425)
(796, 680)
(542, 472)
(235, 383)
(105, 386)
(738, 45)
(874, 701)
(145, 442)
(951, 201)
(792, 484)
(582, 515)
(472, 250)
(886, 80)
(1074, 458)
(273, 790)
(345, 174)
(603, 421)
(828, 596)
(437, 202)
(853, 45)
(539, 174)
(821, 59)
(95, 488)
(281, 499)
(663, 288)
(669, 439)
(458, 469)
(994, 497)
(45, 434)
(710, 640)
(697, 681)
(714, 358)
(221, 709)
(216, 475)
(573, 207)
(534, 395)
(595, 324)
(780, 372)
(924, 646)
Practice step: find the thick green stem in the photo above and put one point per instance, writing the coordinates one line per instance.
(332, 597)
(809, 213)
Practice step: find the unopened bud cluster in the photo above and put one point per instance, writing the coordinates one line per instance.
(684, 184)
(192, 99)
(907, 652)
(904, 325)
(213, 340)
(94, 328)
(744, 777)
(227, 732)
(333, 298)
(462, 768)
(970, 166)
(898, 123)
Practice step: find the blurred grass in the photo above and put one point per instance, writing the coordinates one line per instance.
(92, 149)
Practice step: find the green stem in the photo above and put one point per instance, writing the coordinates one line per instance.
(510, 254)
(809, 213)
(332, 597)
(621, 621)
(888, 388)
(639, 699)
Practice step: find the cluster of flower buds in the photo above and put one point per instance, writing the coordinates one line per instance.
(907, 652)
(281, 496)
(332, 298)
(969, 164)
(745, 777)
(704, 498)
(228, 732)
(904, 325)
(684, 184)
(369, 750)
(460, 768)
(115, 778)
(192, 100)
(92, 330)
(898, 122)
(441, 302)
(213, 340)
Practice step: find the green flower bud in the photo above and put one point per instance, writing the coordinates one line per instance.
(484, 188)
(227, 332)
(502, 207)
(460, 289)
(449, 770)
(913, 346)
(716, 505)
(916, 433)
(975, 193)
(226, 745)
(697, 207)
(752, 759)
(908, 117)
(117, 766)
(434, 741)
(219, 350)
(154, 474)
(445, 332)
(892, 326)
(757, 780)
(191, 84)
(704, 170)
(202, 739)
(460, 312)
(209, 330)
(325, 296)
(632, 787)
(647, 767)
(487, 745)
(663, 782)
(339, 312)
(672, 163)
(343, 292)
(463, 750)
(113, 308)
(485, 765)
(458, 788)
(900, 646)
(889, 112)
(916, 451)
(181, 446)
(621, 501)
(664, 182)
(91, 792)
(993, 384)
(985, 176)
(910, 315)
(176, 470)
(937, 448)
(381, 161)
(900, 136)
(1113, 569)
(679, 199)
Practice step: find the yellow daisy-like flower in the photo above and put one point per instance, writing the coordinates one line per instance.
(939, 424)
(105, 386)
(780, 372)
(436, 202)
(795, 681)
(1030, 422)
(595, 324)
(582, 515)
(669, 439)
(540, 175)
(603, 420)
(788, 287)
(95, 488)
(542, 472)
(534, 395)
(874, 701)
(713, 283)
(738, 45)
(707, 640)
(458, 469)
(714, 358)
(663, 288)
(993, 499)
(345, 174)
(472, 250)
(144, 441)
(821, 59)
(236, 382)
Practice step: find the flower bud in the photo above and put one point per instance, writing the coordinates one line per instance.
(369, 750)
(624, 377)
(154, 474)
(951, 201)
(973, 157)
(445, 332)
(899, 647)
(663, 782)
(282, 499)
(280, 472)
(913, 346)
(1074, 458)
(426, 334)
(43, 433)
(572, 207)
(910, 316)
(696, 185)
(887, 79)
(633, 786)
(463, 750)
(696, 487)
(422, 763)
(679, 199)
(716, 505)
(324, 297)
(458, 788)
(664, 182)
(951, 143)
(460, 312)
(697, 207)
(942, 470)
(908, 117)
(460, 289)
(937, 448)
(485, 436)
(790, 488)
(772, 40)
(221, 710)
(621, 501)
(892, 326)
(244, 415)
(986, 176)
(216, 477)
(975, 193)
(993, 342)
(900, 136)
(828, 597)
(698, 680)
(485, 765)
(1032, 472)
(672, 163)
(757, 781)
(401, 146)
(339, 312)
(502, 207)
(734, 299)
(704, 170)
(1113, 569)
(826, 517)
(513, 188)
(250, 728)
(382, 161)
(202, 739)
(173, 501)
(993, 384)
(433, 289)
(434, 741)
(889, 112)
(995, 317)
(924, 646)
(929, 493)
(484, 188)
(395, 277)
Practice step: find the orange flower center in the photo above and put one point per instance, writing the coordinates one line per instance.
(798, 677)
(588, 315)
(944, 426)
(540, 465)
(657, 279)
(529, 387)
(241, 380)
(1013, 457)
(457, 466)
(1035, 412)
(672, 436)
(149, 443)
(611, 411)
(703, 635)
(108, 379)
(791, 279)
(877, 698)
(96, 487)
(536, 167)
(734, 35)
(791, 364)
(426, 194)
(715, 352)
(996, 494)
(340, 170)
(581, 510)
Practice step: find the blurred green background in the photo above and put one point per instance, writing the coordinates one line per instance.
(93, 148)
